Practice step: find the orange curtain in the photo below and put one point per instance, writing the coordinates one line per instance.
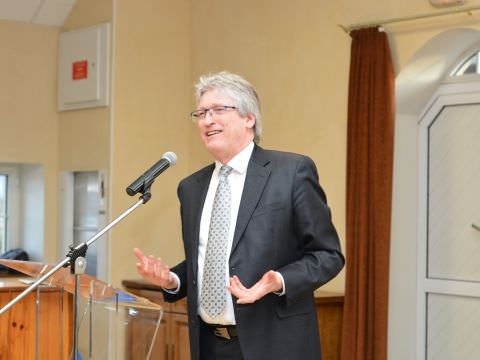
(370, 138)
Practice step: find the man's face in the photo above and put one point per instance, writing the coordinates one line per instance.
(227, 133)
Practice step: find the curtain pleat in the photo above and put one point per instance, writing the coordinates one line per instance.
(370, 137)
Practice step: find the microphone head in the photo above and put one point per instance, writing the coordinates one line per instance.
(171, 157)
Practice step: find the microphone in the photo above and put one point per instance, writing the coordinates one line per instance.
(145, 181)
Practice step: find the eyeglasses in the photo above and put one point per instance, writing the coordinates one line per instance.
(214, 110)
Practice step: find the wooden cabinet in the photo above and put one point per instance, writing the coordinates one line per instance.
(330, 316)
(172, 342)
(18, 325)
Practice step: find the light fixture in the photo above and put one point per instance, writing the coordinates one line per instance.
(447, 3)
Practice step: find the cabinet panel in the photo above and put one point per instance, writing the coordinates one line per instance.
(172, 342)
(330, 317)
(138, 341)
(22, 328)
(56, 313)
(179, 336)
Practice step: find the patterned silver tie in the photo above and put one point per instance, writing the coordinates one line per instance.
(213, 297)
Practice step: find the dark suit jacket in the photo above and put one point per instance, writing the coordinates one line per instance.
(283, 224)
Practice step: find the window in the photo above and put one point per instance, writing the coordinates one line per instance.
(469, 66)
(9, 206)
(3, 212)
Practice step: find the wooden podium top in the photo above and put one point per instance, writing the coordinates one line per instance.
(18, 283)
(140, 284)
(14, 282)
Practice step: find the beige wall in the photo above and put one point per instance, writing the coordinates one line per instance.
(298, 60)
(85, 134)
(159, 55)
(151, 105)
(28, 117)
(32, 129)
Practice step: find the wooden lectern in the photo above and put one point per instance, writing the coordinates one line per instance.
(41, 325)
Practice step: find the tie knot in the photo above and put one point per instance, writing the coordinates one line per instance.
(225, 170)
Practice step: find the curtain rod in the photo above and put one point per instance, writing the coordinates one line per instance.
(348, 28)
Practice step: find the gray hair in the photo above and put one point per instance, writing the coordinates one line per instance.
(237, 88)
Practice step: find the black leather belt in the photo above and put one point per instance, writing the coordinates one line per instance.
(223, 331)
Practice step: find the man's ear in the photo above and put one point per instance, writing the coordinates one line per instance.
(250, 121)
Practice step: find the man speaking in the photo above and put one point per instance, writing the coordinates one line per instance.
(257, 234)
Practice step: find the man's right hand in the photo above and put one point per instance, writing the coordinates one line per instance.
(154, 270)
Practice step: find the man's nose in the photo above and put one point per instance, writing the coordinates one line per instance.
(209, 116)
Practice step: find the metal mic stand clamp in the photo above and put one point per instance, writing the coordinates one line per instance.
(145, 189)
(146, 195)
(75, 254)
(77, 264)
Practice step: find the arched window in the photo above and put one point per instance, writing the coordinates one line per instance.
(469, 66)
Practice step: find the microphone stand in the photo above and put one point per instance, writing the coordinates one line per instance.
(76, 260)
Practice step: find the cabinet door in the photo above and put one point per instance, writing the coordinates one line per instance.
(18, 326)
(55, 325)
(330, 316)
(161, 348)
(179, 337)
(138, 338)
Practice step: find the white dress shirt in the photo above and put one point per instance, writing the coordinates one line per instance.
(236, 179)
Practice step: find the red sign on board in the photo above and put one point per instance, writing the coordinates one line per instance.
(80, 70)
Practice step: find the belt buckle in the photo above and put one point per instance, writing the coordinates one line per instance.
(222, 332)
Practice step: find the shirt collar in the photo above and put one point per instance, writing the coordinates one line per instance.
(239, 162)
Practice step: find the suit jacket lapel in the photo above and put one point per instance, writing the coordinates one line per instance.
(258, 172)
(203, 181)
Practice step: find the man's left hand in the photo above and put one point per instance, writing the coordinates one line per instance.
(270, 282)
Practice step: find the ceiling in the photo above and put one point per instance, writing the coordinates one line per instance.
(42, 12)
